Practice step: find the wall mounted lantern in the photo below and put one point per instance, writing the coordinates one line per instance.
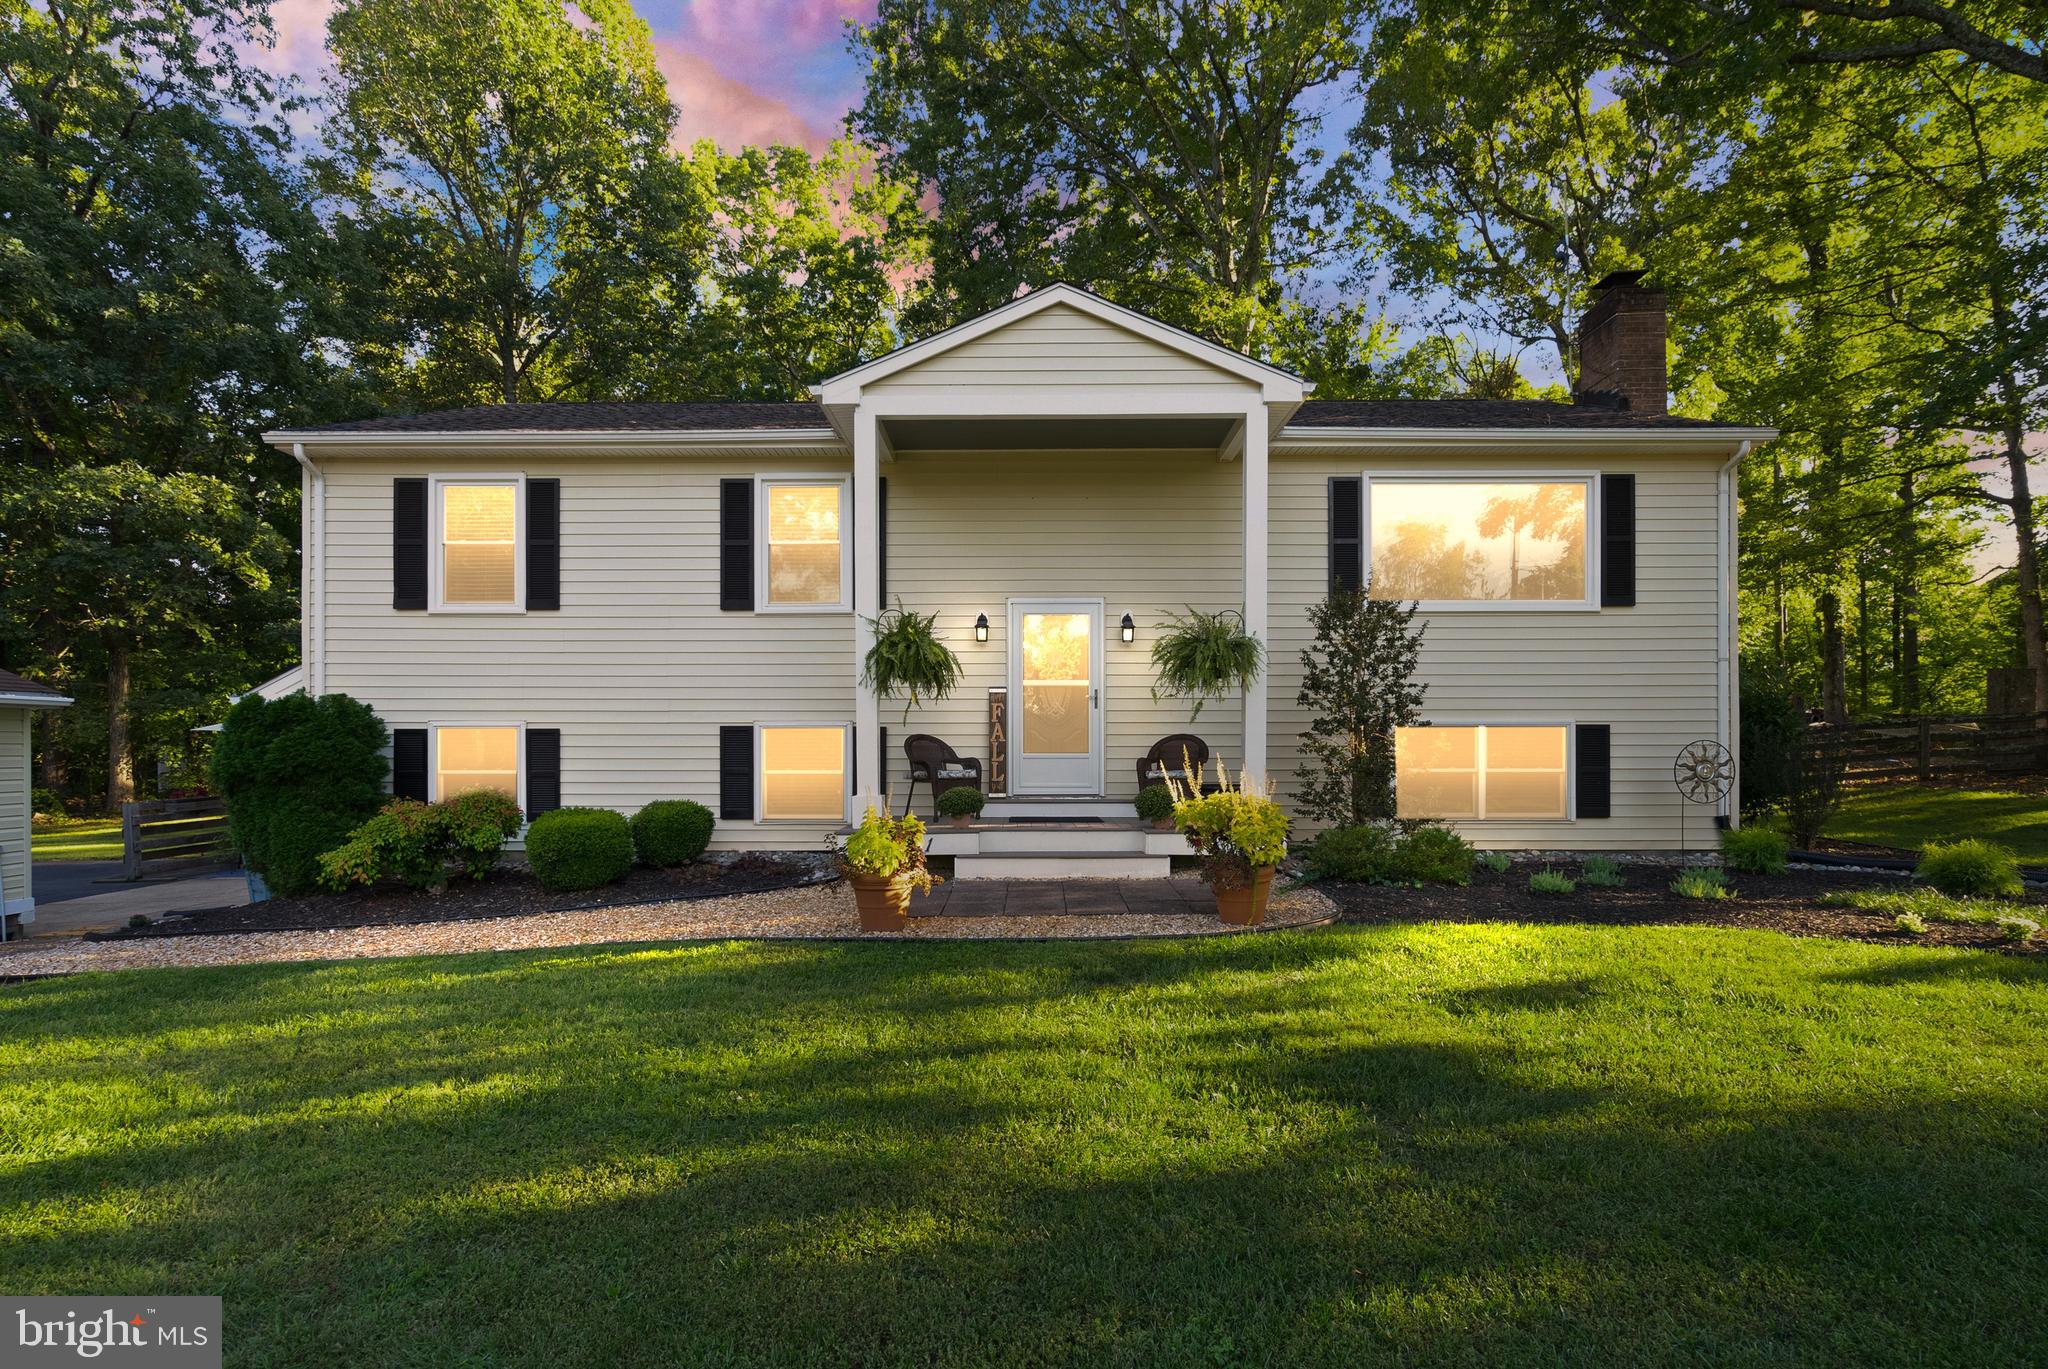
(1130, 629)
(981, 627)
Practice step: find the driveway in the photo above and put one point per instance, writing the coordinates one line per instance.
(69, 901)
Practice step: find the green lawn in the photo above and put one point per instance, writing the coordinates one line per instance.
(1432, 1144)
(76, 839)
(1909, 816)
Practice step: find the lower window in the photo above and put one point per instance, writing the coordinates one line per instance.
(468, 758)
(1482, 772)
(803, 773)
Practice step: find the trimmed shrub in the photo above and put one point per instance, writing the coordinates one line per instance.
(1494, 862)
(1971, 868)
(961, 801)
(671, 832)
(1600, 872)
(1550, 882)
(476, 828)
(1154, 803)
(1706, 884)
(579, 848)
(1433, 855)
(1359, 854)
(299, 775)
(1754, 850)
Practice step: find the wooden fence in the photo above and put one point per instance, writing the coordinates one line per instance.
(177, 837)
(1942, 746)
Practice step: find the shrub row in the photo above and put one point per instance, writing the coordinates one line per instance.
(1372, 853)
(414, 842)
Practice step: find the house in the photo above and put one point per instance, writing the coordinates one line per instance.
(20, 700)
(609, 603)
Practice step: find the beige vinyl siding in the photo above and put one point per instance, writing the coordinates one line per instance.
(15, 784)
(1057, 347)
(1146, 532)
(1649, 672)
(639, 668)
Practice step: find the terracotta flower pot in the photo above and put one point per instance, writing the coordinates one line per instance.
(1162, 824)
(1246, 907)
(884, 903)
(967, 821)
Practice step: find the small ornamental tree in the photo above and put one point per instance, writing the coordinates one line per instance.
(1359, 681)
(299, 775)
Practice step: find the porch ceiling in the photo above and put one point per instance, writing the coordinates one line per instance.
(1054, 434)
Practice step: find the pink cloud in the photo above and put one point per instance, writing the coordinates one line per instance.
(730, 113)
(301, 39)
(762, 30)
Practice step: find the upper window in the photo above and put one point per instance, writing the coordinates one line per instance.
(467, 758)
(803, 549)
(1481, 541)
(1481, 772)
(803, 773)
(477, 543)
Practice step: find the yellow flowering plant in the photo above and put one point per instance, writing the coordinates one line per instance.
(1234, 828)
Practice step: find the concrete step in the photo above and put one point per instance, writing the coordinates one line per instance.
(1026, 838)
(1063, 865)
(999, 809)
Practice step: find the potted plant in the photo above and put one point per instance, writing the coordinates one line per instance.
(1155, 805)
(1205, 656)
(884, 861)
(962, 804)
(1241, 837)
(909, 659)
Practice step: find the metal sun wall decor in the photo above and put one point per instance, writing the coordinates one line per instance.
(1703, 773)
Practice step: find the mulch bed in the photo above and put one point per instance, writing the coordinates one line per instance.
(505, 892)
(1780, 903)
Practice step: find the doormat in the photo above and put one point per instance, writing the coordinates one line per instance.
(1064, 822)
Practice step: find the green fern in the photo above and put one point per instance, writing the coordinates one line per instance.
(1205, 656)
(909, 659)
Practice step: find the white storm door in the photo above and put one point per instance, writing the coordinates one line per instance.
(1056, 688)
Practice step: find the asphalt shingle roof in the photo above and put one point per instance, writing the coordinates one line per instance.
(11, 683)
(739, 417)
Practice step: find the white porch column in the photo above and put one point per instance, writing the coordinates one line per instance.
(1255, 545)
(867, 589)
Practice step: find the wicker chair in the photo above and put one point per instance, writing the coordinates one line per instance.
(1166, 758)
(939, 766)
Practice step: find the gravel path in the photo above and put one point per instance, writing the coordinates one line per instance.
(823, 911)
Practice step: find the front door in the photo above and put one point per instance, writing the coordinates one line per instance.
(1056, 680)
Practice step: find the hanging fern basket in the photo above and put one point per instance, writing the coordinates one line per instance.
(908, 659)
(1204, 656)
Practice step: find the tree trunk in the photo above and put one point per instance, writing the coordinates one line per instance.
(2027, 563)
(1834, 686)
(1862, 642)
(120, 756)
(1906, 600)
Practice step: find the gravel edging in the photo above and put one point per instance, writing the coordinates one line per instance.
(817, 912)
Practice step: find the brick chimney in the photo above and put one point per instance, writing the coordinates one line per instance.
(1621, 345)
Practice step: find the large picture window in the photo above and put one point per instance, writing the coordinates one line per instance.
(803, 773)
(477, 543)
(1477, 773)
(1481, 541)
(803, 544)
(470, 758)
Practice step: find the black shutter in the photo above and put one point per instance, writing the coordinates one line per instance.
(543, 544)
(736, 774)
(1617, 541)
(409, 763)
(883, 787)
(1347, 513)
(1596, 770)
(543, 771)
(882, 541)
(736, 549)
(409, 544)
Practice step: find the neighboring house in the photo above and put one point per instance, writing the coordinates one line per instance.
(606, 604)
(20, 699)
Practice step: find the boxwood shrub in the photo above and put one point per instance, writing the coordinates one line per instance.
(962, 801)
(579, 848)
(1434, 855)
(1154, 803)
(1358, 854)
(671, 832)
